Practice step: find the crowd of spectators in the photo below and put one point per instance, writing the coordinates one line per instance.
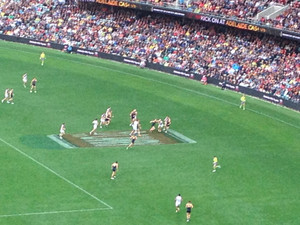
(289, 19)
(262, 63)
(239, 9)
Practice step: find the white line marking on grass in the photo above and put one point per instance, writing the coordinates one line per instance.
(62, 142)
(54, 212)
(172, 85)
(273, 118)
(52, 171)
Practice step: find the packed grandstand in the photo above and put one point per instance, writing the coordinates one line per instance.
(262, 62)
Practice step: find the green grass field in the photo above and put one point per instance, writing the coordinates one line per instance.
(42, 183)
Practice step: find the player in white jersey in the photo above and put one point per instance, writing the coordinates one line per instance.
(160, 125)
(178, 201)
(102, 120)
(24, 79)
(11, 95)
(62, 131)
(108, 116)
(108, 112)
(95, 125)
(6, 95)
(135, 127)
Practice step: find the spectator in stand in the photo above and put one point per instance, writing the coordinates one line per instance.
(204, 80)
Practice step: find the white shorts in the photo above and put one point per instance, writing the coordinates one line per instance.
(62, 131)
(177, 204)
(24, 80)
(102, 120)
(95, 126)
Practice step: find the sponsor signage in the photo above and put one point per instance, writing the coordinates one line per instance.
(131, 61)
(183, 74)
(229, 86)
(206, 18)
(245, 26)
(86, 52)
(40, 43)
(118, 3)
(272, 99)
(230, 23)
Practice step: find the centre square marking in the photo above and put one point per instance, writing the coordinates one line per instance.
(119, 138)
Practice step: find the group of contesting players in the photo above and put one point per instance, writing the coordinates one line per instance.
(136, 126)
(162, 125)
(9, 92)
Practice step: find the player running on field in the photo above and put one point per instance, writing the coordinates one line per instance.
(114, 168)
(188, 207)
(62, 131)
(6, 95)
(95, 125)
(153, 123)
(42, 58)
(102, 120)
(178, 201)
(215, 164)
(133, 139)
(11, 96)
(108, 116)
(33, 85)
(243, 102)
(24, 79)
